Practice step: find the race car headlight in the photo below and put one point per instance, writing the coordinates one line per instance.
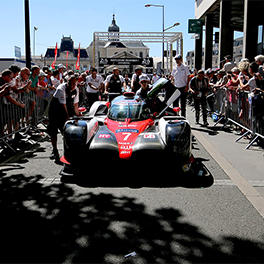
(74, 135)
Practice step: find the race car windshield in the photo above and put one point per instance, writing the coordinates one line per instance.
(136, 112)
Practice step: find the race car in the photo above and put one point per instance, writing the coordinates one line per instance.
(128, 132)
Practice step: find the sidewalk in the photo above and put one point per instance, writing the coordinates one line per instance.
(248, 163)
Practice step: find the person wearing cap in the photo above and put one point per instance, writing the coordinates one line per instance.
(135, 85)
(61, 69)
(63, 105)
(155, 77)
(114, 83)
(180, 76)
(144, 81)
(199, 87)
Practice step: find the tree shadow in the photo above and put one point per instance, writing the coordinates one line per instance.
(54, 224)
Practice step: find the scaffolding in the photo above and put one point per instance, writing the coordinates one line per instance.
(168, 38)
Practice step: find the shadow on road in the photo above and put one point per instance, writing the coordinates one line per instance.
(53, 224)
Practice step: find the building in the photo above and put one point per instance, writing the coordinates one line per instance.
(125, 54)
(66, 55)
(229, 16)
(237, 55)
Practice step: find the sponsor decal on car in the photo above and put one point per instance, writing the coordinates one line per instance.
(104, 136)
(149, 135)
(127, 130)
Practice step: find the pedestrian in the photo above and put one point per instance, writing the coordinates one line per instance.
(63, 105)
(229, 64)
(155, 77)
(94, 84)
(135, 85)
(180, 76)
(128, 83)
(199, 87)
(114, 83)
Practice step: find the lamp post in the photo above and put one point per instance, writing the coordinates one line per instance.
(171, 47)
(27, 34)
(163, 29)
(34, 50)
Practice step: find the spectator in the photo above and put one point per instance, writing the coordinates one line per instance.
(260, 61)
(14, 108)
(55, 79)
(81, 84)
(128, 82)
(50, 86)
(35, 70)
(233, 80)
(95, 84)
(64, 104)
(229, 64)
(155, 77)
(199, 87)
(180, 76)
(135, 85)
(5, 86)
(61, 69)
(221, 80)
(251, 85)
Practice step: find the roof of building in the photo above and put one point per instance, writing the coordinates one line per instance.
(66, 45)
(113, 27)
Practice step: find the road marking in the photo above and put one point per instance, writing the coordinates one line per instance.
(244, 186)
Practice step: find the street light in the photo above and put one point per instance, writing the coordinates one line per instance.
(174, 25)
(35, 29)
(163, 29)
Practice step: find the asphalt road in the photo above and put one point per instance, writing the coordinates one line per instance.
(139, 218)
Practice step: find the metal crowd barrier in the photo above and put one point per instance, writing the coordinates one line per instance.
(242, 108)
(14, 119)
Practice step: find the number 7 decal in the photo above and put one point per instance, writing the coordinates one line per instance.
(127, 136)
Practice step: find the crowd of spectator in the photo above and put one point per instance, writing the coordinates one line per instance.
(22, 91)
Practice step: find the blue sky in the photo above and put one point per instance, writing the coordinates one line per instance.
(80, 18)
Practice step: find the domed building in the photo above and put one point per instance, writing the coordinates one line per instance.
(67, 47)
(113, 31)
(126, 55)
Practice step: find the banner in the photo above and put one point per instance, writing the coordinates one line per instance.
(67, 55)
(77, 66)
(18, 52)
(54, 62)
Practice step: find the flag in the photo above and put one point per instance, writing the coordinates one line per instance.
(77, 66)
(53, 63)
(67, 55)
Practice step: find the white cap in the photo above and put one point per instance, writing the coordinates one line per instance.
(144, 77)
(42, 73)
(61, 66)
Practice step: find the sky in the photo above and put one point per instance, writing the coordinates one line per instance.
(80, 18)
